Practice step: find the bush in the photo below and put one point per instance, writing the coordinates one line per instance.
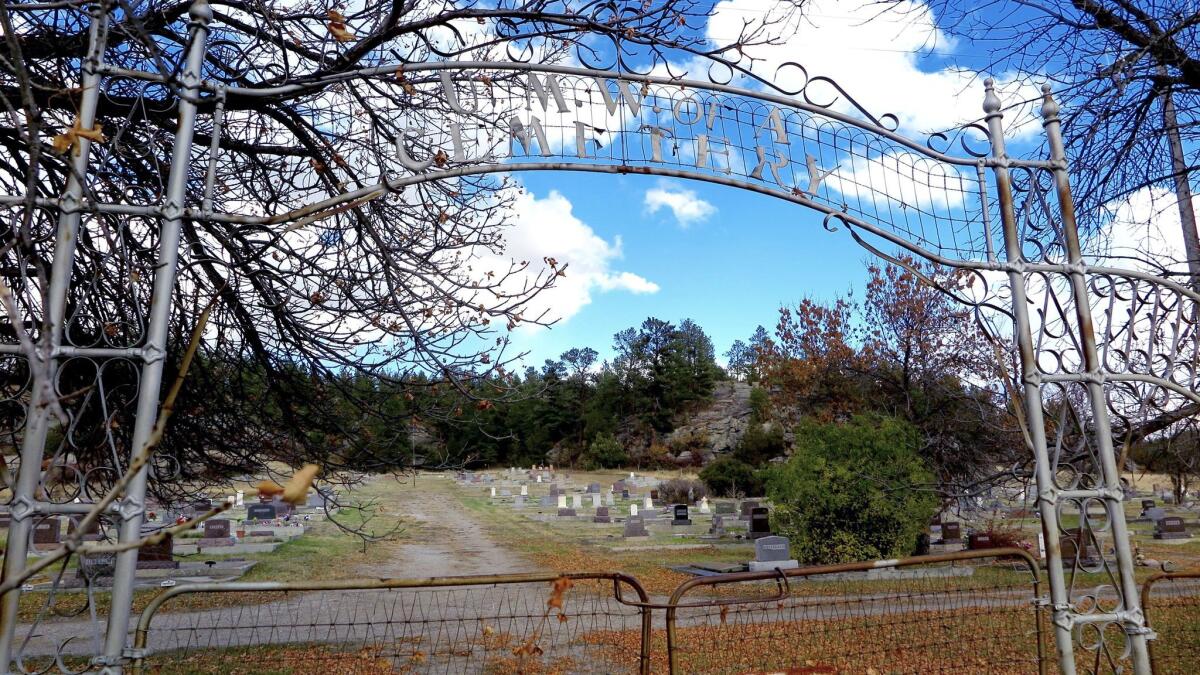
(759, 403)
(604, 452)
(760, 443)
(675, 491)
(1003, 535)
(852, 491)
(727, 477)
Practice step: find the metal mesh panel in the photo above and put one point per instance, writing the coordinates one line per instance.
(920, 618)
(1172, 604)
(457, 626)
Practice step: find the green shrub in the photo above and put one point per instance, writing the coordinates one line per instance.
(760, 443)
(759, 403)
(727, 477)
(675, 491)
(604, 452)
(852, 491)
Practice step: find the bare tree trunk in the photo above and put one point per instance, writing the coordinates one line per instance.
(1183, 190)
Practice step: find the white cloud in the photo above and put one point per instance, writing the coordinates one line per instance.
(547, 227)
(687, 207)
(874, 54)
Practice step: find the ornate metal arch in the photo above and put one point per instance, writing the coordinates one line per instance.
(1113, 338)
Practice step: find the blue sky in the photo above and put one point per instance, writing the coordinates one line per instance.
(729, 272)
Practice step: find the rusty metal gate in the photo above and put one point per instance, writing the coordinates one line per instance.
(961, 612)
(1175, 617)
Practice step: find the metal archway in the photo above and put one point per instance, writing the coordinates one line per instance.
(1009, 221)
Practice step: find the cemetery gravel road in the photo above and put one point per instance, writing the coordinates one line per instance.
(449, 542)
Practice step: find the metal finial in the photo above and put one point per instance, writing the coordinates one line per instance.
(1049, 105)
(201, 11)
(991, 102)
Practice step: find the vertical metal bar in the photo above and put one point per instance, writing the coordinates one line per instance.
(133, 503)
(1134, 621)
(38, 414)
(1047, 493)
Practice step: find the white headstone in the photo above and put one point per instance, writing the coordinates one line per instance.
(562, 501)
(524, 490)
(240, 500)
(576, 501)
(493, 493)
(595, 500)
(633, 509)
(631, 474)
(608, 499)
(704, 505)
(647, 503)
(539, 478)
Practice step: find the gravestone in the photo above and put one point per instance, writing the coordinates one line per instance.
(519, 502)
(922, 547)
(602, 515)
(951, 533)
(635, 526)
(596, 500)
(217, 528)
(619, 486)
(760, 522)
(157, 556)
(47, 532)
(648, 503)
(315, 501)
(1155, 514)
(772, 552)
(506, 493)
(554, 490)
(681, 515)
(747, 507)
(978, 541)
(654, 494)
(726, 508)
(492, 492)
(577, 501)
(608, 500)
(593, 488)
(561, 501)
(239, 498)
(704, 507)
(261, 512)
(265, 498)
(1075, 543)
(93, 566)
(524, 490)
(92, 533)
(564, 513)
(624, 493)
(1170, 527)
(718, 527)
(633, 510)
(1147, 504)
(539, 478)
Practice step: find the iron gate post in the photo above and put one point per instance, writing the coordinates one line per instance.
(1134, 623)
(132, 505)
(33, 444)
(1031, 384)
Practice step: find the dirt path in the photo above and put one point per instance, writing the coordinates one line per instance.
(448, 541)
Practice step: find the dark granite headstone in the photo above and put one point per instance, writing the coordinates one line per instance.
(747, 507)
(216, 528)
(260, 512)
(654, 495)
(922, 547)
(47, 532)
(564, 513)
(157, 556)
(979, 540)
(618, 486)
(726, 508)
(92, 533)
(760, 522)
(635, 526)
(1148, 504)
(602, 515)
(624, 494)
(1170, 527)
(681, 515)
(951, 533)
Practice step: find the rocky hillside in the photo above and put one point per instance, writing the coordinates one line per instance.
(719, 425)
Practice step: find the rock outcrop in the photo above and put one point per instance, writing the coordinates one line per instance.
(720, 424)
